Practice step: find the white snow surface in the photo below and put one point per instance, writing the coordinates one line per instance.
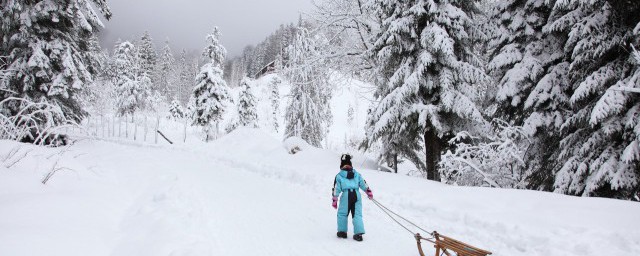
(243, 194)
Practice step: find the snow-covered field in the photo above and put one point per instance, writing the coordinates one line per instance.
(245, 195)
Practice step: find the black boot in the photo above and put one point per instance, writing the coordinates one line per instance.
(357, 237)
(342, 234)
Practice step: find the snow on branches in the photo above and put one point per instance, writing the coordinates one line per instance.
(495, 160)
(247, 106)
(211, 92)
(308, 114)
(428, 75)
(35, 122)
(50, 56)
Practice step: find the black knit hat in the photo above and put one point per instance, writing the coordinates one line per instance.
(345, 160)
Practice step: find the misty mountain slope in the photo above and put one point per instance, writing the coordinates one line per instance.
(244, 194)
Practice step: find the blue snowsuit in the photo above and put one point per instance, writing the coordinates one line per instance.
(350, 200)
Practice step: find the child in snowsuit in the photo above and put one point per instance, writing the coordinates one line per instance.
(345, 186)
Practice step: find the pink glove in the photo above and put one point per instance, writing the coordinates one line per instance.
(369, 194)
(335, 202)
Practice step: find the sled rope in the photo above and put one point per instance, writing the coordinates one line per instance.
(443, 244)
(389, 212)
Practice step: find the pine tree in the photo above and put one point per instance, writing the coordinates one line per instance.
(185, 77)
(308, 114)
(520, 54)
(427, 76)
(530, 71)
(50, 54)
(166, 75)
(274, 97)
(132, 86)
(247, 108)
(147, 55)
(599, 150)
(211, 90)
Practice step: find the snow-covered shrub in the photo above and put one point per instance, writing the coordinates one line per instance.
(175, 110)
(295, 144)
(35, 122)
(495, 160)
(233, 124)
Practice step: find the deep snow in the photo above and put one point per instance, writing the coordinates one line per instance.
(245, 195)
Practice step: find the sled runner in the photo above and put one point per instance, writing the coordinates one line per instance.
(447, 245)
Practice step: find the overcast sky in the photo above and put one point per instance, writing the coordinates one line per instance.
(187, 22)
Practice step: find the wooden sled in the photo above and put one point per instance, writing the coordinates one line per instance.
(448, 245)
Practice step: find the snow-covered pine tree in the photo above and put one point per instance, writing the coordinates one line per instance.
(210, 90)
(258, 61)
(247, 105)
(599, 152)
(166, 75)
(519, 58)
(50, 52)
(132, 88)
(274, 97)
(530, 72)
(308, 113)
(427, 71)
(100, 94)
(185, 77)
(147, 56)
(176, 111)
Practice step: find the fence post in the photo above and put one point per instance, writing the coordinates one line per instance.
(102, 125)
(113, 126)
(156, 130)
(119, 127)
(126, 128)
(145, 128)
(184, 131)
(135, 128)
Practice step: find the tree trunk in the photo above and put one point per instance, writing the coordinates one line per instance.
(395, 163)
(432, 147)
(206, 134)
(155, 138)
(217, 130)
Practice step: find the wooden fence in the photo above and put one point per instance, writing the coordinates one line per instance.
(141, 128)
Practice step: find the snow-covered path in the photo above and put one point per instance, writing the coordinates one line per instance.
(225, 206)
(244, 195)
